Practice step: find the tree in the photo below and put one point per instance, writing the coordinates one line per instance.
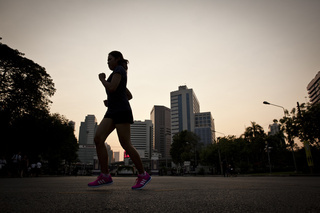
(256, 137)
(25, 87)
(183, 147)
(308, 120)
(235, 151)
(60, 144)
(209, 156)
(49, 138)
(253, 131)
(303, 123)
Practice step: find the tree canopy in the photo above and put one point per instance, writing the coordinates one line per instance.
(184, 147)
(25, 87)
(252, 151)
(25, 119)
(303, 123)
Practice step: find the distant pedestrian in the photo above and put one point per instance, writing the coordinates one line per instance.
(230, 171)
(24, 166)
(33, 169)
(3, 166)
(224, 167)
(118, 116)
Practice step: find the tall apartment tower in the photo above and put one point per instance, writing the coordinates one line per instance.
(110, 154)
(142, 137)
(87, 149)
(204, 128)
(161, 120)
(116, 156)
(184, 105)
(314, 89)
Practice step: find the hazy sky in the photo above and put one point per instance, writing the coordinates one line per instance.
(234, 54)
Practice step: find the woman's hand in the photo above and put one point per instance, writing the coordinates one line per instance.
(113, 85)
(102, 76)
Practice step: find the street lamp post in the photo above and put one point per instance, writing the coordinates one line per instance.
(165, 136)
(268, 149)
(294, 159)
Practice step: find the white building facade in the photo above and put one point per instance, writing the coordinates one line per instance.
(142, 137)
(184, 105)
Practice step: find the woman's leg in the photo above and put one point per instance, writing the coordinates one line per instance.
(103, 131)
(123, 131)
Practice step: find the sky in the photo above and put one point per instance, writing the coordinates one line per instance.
(234, 54)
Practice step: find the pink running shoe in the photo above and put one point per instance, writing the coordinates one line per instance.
(142, 181)
(102, 180)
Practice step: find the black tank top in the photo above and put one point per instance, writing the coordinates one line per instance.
(118, 100)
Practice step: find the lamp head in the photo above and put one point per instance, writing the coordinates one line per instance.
(266, 102)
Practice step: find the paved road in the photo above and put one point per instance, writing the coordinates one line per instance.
(162, 194)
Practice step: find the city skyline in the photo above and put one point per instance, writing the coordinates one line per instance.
(234, 54)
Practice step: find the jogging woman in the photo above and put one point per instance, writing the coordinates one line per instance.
(119, 117)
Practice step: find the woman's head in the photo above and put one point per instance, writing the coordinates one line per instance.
(115, 58)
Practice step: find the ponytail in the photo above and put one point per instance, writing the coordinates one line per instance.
(124, 63)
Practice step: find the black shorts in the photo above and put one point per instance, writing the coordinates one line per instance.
(120, 117)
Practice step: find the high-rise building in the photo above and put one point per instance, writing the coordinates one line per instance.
(116, 156)
(314, 89)
(204, 127)
(184, 105)
(161, 120)
(142, 137)
(88, 130)
(87, 148)
(110, 154)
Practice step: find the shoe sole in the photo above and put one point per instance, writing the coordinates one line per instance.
(143, 185)
(97, 186)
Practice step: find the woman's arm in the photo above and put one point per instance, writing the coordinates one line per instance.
(129, 95)
(113, 85)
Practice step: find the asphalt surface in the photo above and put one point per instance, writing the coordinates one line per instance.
(162, 194)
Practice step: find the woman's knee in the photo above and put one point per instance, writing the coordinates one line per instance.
(129, 148)
(126, 145)
(125, 142)
(105, 128)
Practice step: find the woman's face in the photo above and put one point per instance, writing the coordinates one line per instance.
(112, 62)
